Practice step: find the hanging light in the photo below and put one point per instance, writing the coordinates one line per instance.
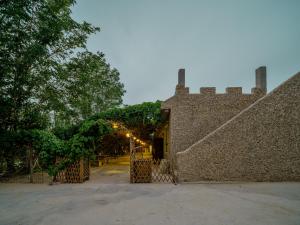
(128, 135)
(115, 126)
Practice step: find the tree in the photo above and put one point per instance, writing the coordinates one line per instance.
(82, 144)
(92, 86)
(37, 36)
(45, 67)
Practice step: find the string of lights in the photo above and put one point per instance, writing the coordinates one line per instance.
(128, 133)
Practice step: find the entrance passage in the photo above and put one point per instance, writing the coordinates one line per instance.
(112, 170)
(145, 169)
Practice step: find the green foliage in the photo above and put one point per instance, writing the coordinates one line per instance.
(66, 132)
(92, 136)
(113, 144)
(50, 148)
(91, 132)
(45, 68)
(37, 37)
(96, 134)
(92, 87)
(143, 119)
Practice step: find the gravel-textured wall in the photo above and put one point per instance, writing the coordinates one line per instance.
(261, 143)
(193, 116)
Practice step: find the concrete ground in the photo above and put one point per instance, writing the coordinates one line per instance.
(109, 199)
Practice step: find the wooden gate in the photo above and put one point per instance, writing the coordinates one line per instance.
(145, 169)
(77, 172)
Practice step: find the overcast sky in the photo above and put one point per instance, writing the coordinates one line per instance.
(219, 42)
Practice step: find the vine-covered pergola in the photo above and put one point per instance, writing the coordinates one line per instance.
(102, 132)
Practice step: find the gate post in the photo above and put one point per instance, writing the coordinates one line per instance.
(132, 156)
(81, 170)
(30, 165)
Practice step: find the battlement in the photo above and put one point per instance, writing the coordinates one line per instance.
(229, 90)
(259, 89)
(192, 116)
(208, 90)
(181, 90)
(234, 91)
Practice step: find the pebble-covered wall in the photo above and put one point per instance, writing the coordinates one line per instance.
(261, 143)
(193, 116)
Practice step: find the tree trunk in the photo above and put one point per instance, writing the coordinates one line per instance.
(10, 161)
(31, 165)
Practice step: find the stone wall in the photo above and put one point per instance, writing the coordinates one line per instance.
(193, 116)
(261, 143)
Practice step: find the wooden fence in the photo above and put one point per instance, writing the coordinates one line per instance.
(78, 172)
(27, 169)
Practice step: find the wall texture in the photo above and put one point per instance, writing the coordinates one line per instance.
(193, 116)
(261, 143)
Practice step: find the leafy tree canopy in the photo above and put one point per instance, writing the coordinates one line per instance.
(46, 69)
(92, 86)
(45, 66)
(142, 119)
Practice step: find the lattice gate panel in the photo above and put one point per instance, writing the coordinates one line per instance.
(148, 170)
(161, 171)
(72, 173)
(142, 171)
(77, 172)
(151, 171)
(86, 169)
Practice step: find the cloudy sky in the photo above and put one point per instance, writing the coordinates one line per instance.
(219, 42)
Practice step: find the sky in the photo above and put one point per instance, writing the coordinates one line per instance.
(220, 43)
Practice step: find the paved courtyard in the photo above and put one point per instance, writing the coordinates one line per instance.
(109, 199)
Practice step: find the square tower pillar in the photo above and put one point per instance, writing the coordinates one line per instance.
(261, 78)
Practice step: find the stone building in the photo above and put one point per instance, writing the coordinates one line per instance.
(234, 136)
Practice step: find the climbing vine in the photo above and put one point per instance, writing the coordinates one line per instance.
(143, 119)
(49, 147)
(93, 135)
